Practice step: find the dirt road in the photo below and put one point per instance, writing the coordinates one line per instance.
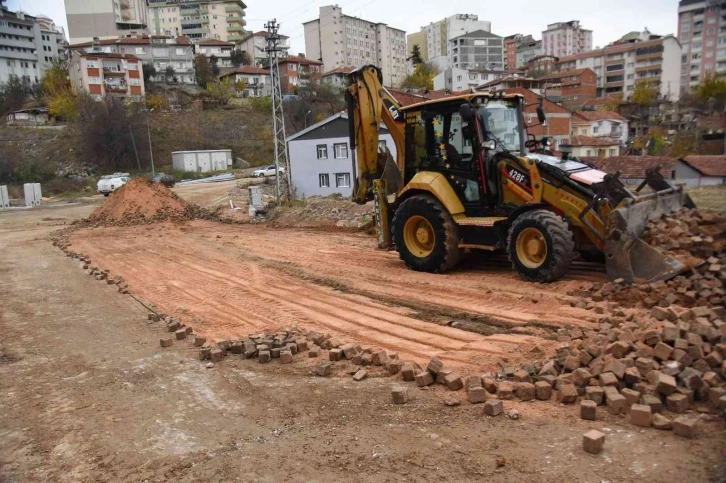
(87, 394)
(235, 280)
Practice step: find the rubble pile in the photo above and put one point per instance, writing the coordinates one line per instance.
(140, 201)
(324, 212)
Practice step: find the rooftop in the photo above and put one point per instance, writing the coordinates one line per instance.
(565, 73)
(299, 60)
(602, 115)
(707, 165)
(215, 42)
(341, 70)
(108, 55)
(633, 167)
(616, 49)
(247, 69)
(590, 141)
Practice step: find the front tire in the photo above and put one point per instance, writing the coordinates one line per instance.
(425, 234)
(540, 246)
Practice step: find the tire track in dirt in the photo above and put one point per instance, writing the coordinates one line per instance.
(229, 298)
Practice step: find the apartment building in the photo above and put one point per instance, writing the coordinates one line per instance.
(338, 40)
(161, 51)
(337, 77)
(210, 19)
(102, 74)
(566, 38)
(105, 19)
(298, 71)
(571, 88)
(434, 39)
(28, 45)
(458, 80)
(619, 67)
(218, 48)
(255, 44)
(510, 50)
(477, 50)
(528, 49)
(702, 32)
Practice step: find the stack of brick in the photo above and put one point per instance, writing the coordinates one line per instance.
(282, 345)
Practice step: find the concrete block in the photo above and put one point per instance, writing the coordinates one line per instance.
(453, 382)
(180, 334)
(360, 375)
(588, 410)
(205, 353)
(393, 366)
(335, 355)
(493, 407)
(661, 422)
(677, 403)
(542, 390)
(434, 366)
(165, 342)
(631, 395)
(399, 395)
(593, 441)
(616, 404)
(323, 368)
(424, 379)
(285, 357)
(264, 356)
(477, 395)
(567, 394)
(505, 390)
(525, 391)
(595, 393)
(472, 382)
(216, 355)
(685, 426)
(314, 352)
(641, 415)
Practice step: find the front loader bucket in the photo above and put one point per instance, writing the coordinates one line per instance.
(627, 256)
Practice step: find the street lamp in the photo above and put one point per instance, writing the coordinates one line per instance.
(151, 151)
(306, 118)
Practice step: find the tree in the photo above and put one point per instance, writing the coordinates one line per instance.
(169, 72)
(220, 91)
(14, 92)
(202, 71)
(416, 55)
(213, 67)
(713, 91)
(422, 77)
(149, 71)
(57, 92)
(240, 57)
(613, 103)
(240, 87)
(157, 102)
(645, 94)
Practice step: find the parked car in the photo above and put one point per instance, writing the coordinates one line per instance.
(165, 179)
(110, 183)
(266, 171)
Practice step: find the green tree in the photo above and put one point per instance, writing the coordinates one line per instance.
(202, 72)
(169, 73)
(645, 93)
(214, 66)
(613, 103)
(422, 77)
(713, 91)
(14, 92)
(149, 71)
(240, 57)
(220, 91)
(416, 55)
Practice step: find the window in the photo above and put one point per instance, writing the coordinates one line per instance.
(134, 81)
(594, 129)
(94, 80)
(92, 64)
(139, 50)
(324, 180)
(588, 152)
(322, 151)
(341, 150)
(342, 180)
(179, 51)
(612, 152)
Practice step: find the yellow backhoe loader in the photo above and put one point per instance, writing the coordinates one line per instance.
(466, 176)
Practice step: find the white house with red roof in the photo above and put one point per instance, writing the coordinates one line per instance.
(257, 81)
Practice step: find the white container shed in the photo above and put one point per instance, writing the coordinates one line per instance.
(202, 161)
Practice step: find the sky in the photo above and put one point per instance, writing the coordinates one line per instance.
(608, 20)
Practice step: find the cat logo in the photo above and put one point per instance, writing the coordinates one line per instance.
(395, 113)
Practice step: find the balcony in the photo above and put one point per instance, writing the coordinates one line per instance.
(194, 31)
(19, 55)
(235, 28)
(16, 31)
(234, 38)
(234, 9)
(116, 88)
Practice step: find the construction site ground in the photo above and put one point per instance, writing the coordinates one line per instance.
(87, 394)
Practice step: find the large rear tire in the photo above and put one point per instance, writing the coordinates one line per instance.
(540, 246)
(426, 237)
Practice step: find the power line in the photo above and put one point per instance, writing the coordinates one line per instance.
(278, 116)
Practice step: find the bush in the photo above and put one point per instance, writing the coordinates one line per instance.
(261, 104)
(34, 172)
(57, 186)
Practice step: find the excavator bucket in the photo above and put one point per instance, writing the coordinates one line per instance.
(627, 255)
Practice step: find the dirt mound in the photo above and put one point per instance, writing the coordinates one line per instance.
(324, 212)
(139, 201)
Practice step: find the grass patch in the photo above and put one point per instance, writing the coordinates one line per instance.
(709, 197)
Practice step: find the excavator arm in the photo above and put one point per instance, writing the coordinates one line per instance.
(378, 175)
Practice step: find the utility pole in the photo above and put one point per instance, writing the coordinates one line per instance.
(278, 117)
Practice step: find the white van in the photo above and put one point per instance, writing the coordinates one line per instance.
(110, 183)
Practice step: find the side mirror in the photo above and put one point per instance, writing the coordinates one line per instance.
(541, 116)
(466, 111)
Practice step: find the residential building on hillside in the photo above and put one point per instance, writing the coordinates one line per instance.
(457, 80)
(510, 50)
(255, 44)
(619, 67)
(566, 38)
(477, 50)
(701, 170)
(160, 51)
(571, 88)
(257, 82)
(702, 32)
(218, 48)
(209, 19)
(338, 77)
(541, 65)
(320, 158)
(298, 71)
(527, 50)
(338, 40)
(602, 124)
(105, 19)
(558, 118)
(594, 146)
(107, 74)
(28, 45)
(511, 81)
(438, 35)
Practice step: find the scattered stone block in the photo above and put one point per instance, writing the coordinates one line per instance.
(360, 375)
(216, 355)
(663, 383)
(285, 357)
(205, 353)
(489, 384)
(677, 403)
(180, 334)
(314, 352)
(434, 366)
(653, 401)
(542, 390)
(407, 372)
(631, 395)
(324, 368)
(593, 441)
(424, 379)
(525, 391)
(472, 382)
(335, 355)
(166, 342)
(588, 410)
(453, 381)
(685, 426)
(505, 390)
(662, 351)
(393, 366)
(477, 395)
(399, 395)
(641, 415)
(608, 379)
(493, 407)
(595, 394)
(264, 356)
(616, 403)
(522, 376)
(366, 359)
(349, 350)
(661, 422)
(440, 378)
(567, 394)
